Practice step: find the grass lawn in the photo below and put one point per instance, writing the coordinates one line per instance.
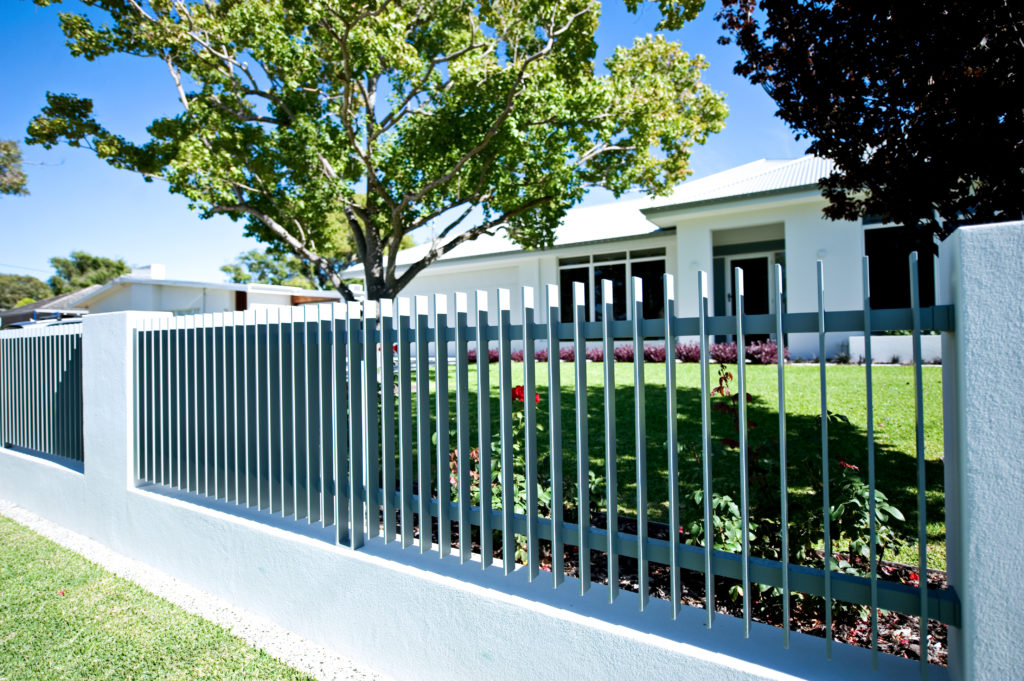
(62, 617)
(894, 434)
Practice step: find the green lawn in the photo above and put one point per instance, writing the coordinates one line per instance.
(62, 617)
(894, 434)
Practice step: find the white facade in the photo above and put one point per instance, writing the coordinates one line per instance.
(145, 289)
(753, 217)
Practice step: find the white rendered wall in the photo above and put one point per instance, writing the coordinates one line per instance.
(407, 615)
(254, 299)
(809, 237)
(981, 269)
(899, 349)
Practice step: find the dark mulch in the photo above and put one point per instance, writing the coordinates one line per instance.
(898, 634)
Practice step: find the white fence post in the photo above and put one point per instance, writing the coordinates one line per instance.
(981, 270)
(108, 370)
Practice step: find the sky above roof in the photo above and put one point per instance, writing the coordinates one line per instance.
(79, 203)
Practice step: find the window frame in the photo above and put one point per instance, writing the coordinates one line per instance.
(575, 262)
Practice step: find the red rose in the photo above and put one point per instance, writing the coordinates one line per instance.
(519, 393)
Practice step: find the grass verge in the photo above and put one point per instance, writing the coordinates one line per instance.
(62, 617)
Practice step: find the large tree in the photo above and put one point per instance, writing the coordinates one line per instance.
(17, 287)
(917, 102)
(265, 267)
(12, 177)
(83, 269)
(453, 118)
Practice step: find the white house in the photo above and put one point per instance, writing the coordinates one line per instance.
(752, 216)
(148, 289)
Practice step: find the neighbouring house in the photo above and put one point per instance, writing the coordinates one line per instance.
(147, 288)
(754, 216)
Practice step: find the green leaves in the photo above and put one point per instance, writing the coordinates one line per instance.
(12, 177)
(290, 109)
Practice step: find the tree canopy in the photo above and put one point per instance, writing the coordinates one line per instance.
(17, 287)
(12, 177)
(262, 267)
(918, 103)
(82, 269)
(452, 118)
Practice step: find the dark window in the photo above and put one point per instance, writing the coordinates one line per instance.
(568, 277)
(647, 253)
(889, 269)
(241, 300)
(617, 275)
(651, 273)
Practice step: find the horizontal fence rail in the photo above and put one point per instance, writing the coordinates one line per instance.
(41, 390)
(366, 417)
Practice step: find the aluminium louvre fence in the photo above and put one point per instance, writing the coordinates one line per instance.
(41, 390)
(291, 411)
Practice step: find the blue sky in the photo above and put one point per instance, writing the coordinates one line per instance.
(80, 203)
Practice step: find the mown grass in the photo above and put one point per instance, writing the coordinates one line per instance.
(62, 617)
(894, 414)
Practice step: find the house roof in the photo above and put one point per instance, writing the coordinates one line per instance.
(749, 181)
(633, 217)
(128, 279)
(65, 302)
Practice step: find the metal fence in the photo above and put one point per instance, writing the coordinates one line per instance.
(41, 390)
(345, 415)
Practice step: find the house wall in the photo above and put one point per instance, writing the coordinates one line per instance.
(808, 236)
(265, 299)
(518, 269)
(165, 298)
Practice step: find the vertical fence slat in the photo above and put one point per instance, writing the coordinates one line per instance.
(405, 471)
(388, 344)
(611, 458)
(462, 428)
(555, 435)
(579, 301)
(444, 491)
(340, 444)
(5, 391)
(872, 523)
(922, 501)
(705, 419)
(423, 458)
(530, 433)
(355, 427)
(371, 429)
(640, 431)
(192, 340)
(69, 400)
(180, 407)
(483, 426)
(281, 493)
(307, 458)
(826, 516)
(780, 360)
(672, 441)
(168, 454)
(505, 393)
(145, 388)
(325, 335)
(209, 437)
(741, 377)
